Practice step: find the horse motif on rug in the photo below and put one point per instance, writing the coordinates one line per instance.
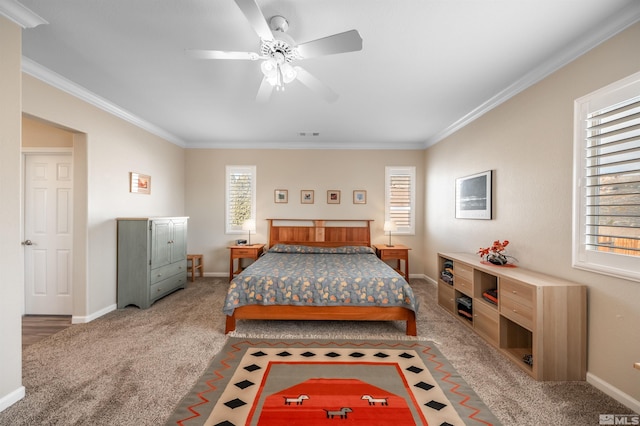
(341, 413)
(298, 401)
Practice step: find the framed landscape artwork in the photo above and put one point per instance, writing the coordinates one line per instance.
(139, 183)
(473, 196)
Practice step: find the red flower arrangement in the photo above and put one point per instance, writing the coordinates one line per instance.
(495, 253)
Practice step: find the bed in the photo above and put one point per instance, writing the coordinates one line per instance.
(320, 270)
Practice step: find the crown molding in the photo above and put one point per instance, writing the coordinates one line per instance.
(308, 145)
(20, 14)
(44, 74)
(624, 19)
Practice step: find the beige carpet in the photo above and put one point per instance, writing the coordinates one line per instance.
(132, 367)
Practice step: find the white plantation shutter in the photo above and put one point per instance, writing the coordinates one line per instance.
(612, 183)
(240, 197)
(608, 172)
(400, 198)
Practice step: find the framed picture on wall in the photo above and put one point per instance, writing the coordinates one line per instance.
(473, 196)
(359, 196)
(306, 196)
(281, 196)
(333, 196)
(139, 183)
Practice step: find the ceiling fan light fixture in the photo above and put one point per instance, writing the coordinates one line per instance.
(288, 73)
(278, 51)
(278, 74)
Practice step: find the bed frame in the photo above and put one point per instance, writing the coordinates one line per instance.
(323, 233)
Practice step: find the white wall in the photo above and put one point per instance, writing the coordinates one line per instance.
(294, 170)
(111, 148)
(11, 256)
(528, 142)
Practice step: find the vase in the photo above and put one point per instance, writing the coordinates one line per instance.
(497, 259)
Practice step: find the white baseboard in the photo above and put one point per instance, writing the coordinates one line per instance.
(81, 320)
(614, 393)
(216, 274)
(11, 398)
(429, 279)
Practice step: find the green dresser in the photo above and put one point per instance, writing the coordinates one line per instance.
(152, 259)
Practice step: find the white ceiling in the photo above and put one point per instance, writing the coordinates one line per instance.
(427, 67)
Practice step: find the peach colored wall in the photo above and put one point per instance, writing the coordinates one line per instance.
(112, 148)
(36, 133)
(11, 252)
(528, 142)
(294, 170)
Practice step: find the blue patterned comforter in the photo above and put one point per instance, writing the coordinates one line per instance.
(319, 276)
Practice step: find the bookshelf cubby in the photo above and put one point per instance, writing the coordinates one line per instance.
(537, 321)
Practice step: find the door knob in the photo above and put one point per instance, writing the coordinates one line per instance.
(27, 243)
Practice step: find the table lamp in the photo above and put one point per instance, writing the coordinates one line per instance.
(249, 225)
(389, 226)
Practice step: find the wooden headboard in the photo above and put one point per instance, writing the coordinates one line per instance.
(320, 232)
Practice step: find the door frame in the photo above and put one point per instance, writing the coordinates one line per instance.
(43, 151)
(81, 291)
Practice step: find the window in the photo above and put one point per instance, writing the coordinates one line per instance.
(400, 198)
(240, 197)
(606, 225)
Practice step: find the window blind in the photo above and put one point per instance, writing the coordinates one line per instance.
(241, 181)
(400, 200)
(612, 179)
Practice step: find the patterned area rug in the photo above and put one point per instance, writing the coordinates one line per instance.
(323, 382)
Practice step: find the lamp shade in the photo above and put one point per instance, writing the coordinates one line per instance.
(389, 225)
(249, 225)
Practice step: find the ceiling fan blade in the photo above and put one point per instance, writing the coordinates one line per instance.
(348, 41)
(315, 85)
(221, 54)
(254, 15)
(264, 92)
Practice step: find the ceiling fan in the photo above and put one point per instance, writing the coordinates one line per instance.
(278, 51)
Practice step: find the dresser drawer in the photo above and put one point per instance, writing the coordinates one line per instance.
(464, 285)
(244, 252)
(165, 287)
(164, 272)
(521, 293)
(486, 321)
(462, 270)
(393, 254)
(517, 312)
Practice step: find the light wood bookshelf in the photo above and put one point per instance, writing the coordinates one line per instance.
(536, 314)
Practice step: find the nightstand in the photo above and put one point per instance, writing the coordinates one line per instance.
(397, 252)
(253, 252)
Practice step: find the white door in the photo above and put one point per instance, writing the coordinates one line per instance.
(48, 210)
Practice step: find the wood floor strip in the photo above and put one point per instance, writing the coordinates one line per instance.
(38, 327)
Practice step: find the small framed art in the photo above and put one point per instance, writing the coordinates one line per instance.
(359, 196)
(333, 196)
(281, 196)
(306, 196)
(140, 184)
(473, 196)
